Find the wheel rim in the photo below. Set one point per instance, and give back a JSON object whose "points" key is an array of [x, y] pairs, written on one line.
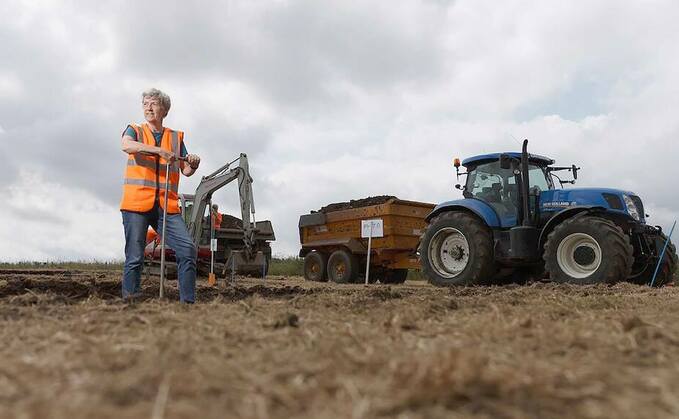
{"points": [[449, 252], [340, 271], [579, 255]]}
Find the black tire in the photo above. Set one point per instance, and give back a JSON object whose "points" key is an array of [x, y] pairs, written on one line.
{"points": [[593, 250], [479, 266], [342, 267], [667, 268], [394, 276], [315, 267]]}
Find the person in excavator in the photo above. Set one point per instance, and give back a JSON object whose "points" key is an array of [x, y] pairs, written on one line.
{"points": [[150, 146], [216, 216]]}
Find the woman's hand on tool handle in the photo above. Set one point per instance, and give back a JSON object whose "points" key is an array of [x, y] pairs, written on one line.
{"points": [[167, 155], [193, 161]]}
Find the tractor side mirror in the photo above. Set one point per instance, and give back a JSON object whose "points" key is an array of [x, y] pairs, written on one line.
{"points": [[575, 171]]}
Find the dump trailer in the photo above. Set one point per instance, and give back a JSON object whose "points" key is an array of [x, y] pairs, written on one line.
{"points": [[333, 249]]}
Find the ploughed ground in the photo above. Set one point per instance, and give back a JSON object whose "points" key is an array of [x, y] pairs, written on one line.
{"points": [[283, 348]]}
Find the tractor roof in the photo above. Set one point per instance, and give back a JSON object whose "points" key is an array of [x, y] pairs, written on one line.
{"points": [[473, 161]]}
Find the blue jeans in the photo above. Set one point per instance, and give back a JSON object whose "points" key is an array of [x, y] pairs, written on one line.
{"points": [[177, 238]]}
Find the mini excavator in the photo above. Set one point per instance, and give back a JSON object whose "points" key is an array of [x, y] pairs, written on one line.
{"points": [[243, 245]]}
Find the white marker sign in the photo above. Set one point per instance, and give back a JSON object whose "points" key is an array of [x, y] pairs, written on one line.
{"points": [[372, 228], [213, 245]]}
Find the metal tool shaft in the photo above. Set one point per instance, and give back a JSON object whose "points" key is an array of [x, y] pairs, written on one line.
{"points": [[162, 237]]}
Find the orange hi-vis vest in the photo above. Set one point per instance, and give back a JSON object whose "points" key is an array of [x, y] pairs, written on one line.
{"points": [[145, 174], [217, 220]]}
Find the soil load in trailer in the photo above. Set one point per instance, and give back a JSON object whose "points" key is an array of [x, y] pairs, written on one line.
{"points": [[334, 250]]}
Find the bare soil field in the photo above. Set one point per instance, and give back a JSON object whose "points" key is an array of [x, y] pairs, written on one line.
{"points": [[283, 348]]}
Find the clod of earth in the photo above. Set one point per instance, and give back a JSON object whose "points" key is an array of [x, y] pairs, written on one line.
{"points": [[356, 203], [285, 320]]}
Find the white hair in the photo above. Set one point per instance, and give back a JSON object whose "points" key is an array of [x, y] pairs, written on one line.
{"points": [[162, 96]]}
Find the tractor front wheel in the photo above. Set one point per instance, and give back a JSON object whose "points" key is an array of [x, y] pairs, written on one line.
{"points": [[588, 250], [457, 249]]}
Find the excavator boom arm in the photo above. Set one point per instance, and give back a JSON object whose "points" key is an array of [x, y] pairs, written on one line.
{"points": [[215, 181]]}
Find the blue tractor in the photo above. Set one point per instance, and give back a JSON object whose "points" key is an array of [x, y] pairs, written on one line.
{"points": [[515, 222]]}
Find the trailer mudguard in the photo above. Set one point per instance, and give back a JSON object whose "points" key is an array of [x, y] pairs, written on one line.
{"points": [[353, 244], [476, 206]]}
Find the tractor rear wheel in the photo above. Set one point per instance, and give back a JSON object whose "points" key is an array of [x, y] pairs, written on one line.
{"points": [[315, 264], [457, 249], [342, 267], [667, 267], [588, 250]]}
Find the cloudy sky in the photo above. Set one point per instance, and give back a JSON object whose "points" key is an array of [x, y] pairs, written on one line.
{"points": [[331, 100]]}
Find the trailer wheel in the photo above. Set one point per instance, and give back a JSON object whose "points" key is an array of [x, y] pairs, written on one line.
{"points": [[342, 267], [457, 249], [394, 276], [588, 250], [667, 267], [315, 264]]}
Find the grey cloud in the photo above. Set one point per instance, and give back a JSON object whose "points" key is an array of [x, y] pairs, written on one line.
{"points": [[216, 137], [583, 97], [77, 151], [36, 215], [289, 51]]}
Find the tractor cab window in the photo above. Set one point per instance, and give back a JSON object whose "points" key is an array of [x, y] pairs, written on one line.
{"points": [[538, 178], [498, 188], [495, 186]]}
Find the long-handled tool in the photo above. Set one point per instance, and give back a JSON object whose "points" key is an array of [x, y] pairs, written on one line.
{"points": [[212, 279], [662, 254], [162, 237]]}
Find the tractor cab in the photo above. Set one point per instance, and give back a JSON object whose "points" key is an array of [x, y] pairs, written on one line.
{"points": [[498, 186]]}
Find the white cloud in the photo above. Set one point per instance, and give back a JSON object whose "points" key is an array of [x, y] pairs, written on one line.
{"points": [[54, 222], [10, 85]]}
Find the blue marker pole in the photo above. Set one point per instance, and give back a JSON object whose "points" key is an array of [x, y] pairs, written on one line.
{"points": [[662, 254]]}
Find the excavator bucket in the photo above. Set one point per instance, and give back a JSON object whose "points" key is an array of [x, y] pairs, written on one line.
{"points": [[256, 265]]}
